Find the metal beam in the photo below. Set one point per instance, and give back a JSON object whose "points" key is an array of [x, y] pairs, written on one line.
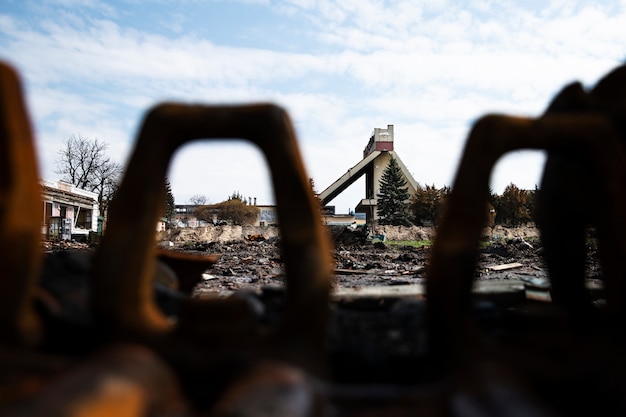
{"points": [[347, 179]]}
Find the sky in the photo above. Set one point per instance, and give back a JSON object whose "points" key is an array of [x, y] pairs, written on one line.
{"points": [[340, 69]]}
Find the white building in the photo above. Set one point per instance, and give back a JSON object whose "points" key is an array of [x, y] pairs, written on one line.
{"points": [[68, 212]]}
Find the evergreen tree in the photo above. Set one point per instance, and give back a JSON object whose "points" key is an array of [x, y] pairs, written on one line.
{"points": [[312, 184], [169, 206], [236, 195], [393, 200], [317, 200]]}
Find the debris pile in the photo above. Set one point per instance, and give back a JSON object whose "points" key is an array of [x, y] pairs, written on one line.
{"points": [[252, 265], [63, 245]]}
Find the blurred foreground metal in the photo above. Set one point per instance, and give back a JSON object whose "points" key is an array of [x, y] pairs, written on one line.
{"points": [[569, 354]]}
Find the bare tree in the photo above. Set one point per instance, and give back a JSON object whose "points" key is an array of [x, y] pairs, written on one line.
{"points": [[83, 162], [198, 200]]}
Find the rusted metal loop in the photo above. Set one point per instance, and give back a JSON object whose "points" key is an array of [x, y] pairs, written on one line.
{"points": [[454, 253], [123, 263], [20, 202]]}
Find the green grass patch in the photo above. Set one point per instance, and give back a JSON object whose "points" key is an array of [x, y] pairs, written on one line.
{"points": [[414, 243], [484, 244]]}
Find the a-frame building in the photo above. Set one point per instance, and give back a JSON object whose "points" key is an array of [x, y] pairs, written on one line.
{"points": [[376, 157]]}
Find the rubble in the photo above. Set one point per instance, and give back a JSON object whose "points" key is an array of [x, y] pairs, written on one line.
{"points": [[254, 264], [49, 246]]}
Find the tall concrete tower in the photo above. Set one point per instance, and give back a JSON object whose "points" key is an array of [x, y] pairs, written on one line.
{"points": [[376, 157]]}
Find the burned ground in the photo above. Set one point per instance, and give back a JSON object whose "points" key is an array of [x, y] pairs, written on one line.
{"points": [[376, 336], [256, 264], [372, 336]]}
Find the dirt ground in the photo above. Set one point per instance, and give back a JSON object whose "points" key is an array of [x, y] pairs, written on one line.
{"points": [[249, 258]]}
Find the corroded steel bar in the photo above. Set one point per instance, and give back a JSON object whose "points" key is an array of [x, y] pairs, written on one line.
{"points": [[20, 216], [595, 135], [123, 262]]}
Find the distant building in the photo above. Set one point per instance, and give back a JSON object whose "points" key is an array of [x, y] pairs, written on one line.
{"points": [[68, 212], [267, 216], [184, 216]]}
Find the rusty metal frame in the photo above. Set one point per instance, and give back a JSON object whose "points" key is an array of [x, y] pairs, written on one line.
{"points": [[122, 297], [20, 201], [593, 134]]}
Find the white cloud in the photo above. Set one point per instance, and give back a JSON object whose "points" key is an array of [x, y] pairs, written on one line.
{"points": [[429, 68]]}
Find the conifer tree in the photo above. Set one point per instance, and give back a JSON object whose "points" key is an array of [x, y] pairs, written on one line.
{"points": [[169, 206], [393, 200]]}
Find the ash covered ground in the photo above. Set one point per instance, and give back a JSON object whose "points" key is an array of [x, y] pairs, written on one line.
{"points": [[250, 264]]}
